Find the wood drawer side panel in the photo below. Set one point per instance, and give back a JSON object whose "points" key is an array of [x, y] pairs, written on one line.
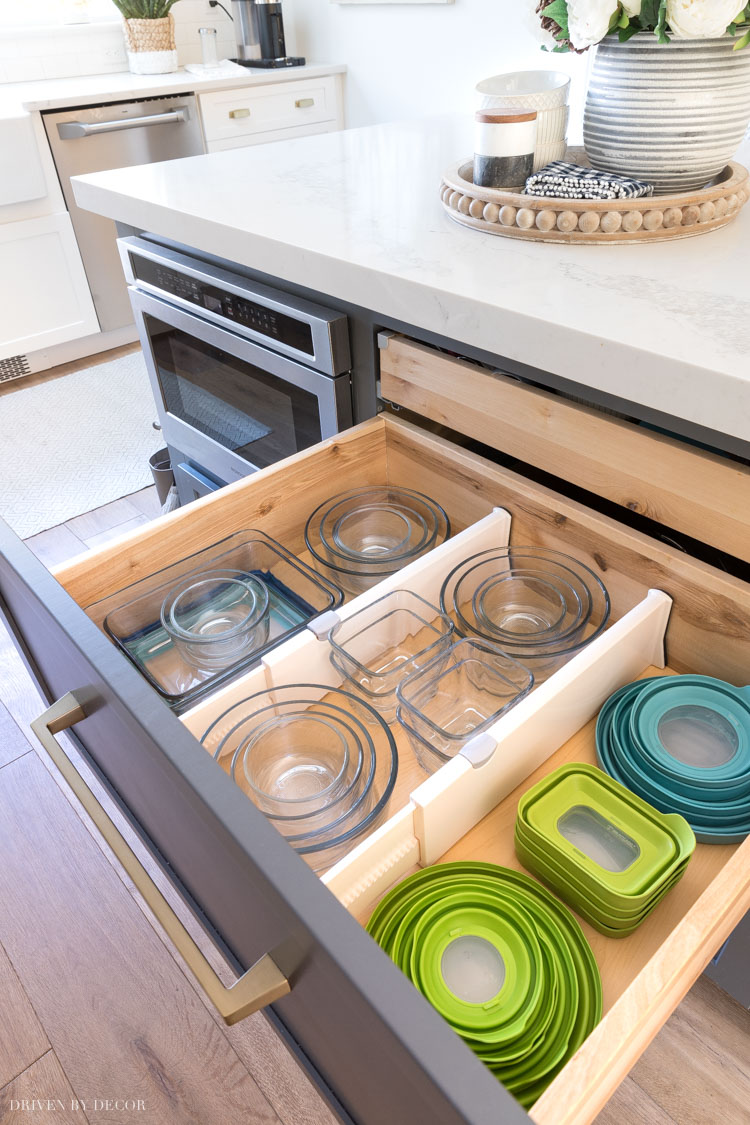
{"points": [[681, 486], [710, 621], [277, 501], [594, 1073]]}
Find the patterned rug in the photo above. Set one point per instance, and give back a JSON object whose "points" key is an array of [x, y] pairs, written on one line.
{"points": [[75, 443]]}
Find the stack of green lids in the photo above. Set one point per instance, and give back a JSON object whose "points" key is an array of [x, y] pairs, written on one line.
{"points": [[683, 743], [501, 960], [610, 855]]}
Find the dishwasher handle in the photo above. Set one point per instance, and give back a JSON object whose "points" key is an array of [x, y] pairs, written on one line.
{"points": [[69, 130]]}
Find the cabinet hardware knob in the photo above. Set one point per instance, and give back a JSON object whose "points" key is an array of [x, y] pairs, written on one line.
{"points": [[155, 426], [303, 103], [243, 112], [262, 984]]}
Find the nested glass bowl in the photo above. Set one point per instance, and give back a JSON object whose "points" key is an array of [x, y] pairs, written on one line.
{"points": [[319, 762], [132, 617], [377, 647], [539, 605], [360, 537], [458, 695], [216, 616]]}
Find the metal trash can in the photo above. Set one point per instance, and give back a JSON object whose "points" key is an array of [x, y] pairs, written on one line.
{"points": [[161, 471]]}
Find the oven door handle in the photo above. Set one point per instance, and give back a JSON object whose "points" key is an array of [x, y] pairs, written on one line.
{"points": [[70, 130], [262, 984]]}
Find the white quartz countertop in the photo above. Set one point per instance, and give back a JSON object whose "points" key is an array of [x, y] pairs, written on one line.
{"points": [[357, 215], [56, 93]]}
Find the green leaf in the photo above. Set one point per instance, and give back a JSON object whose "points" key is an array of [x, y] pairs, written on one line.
{"points": [[558, 11], [628, 32], [743, 42], [661, 23]]}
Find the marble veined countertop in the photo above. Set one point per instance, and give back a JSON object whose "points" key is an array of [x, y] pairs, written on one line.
{"points": [[357, 215]]}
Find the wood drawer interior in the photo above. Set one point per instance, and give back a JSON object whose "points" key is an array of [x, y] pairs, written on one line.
{"points": [[646, 974]]}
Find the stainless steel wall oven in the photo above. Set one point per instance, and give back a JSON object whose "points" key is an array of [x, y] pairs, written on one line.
{"points": [[243, 375]]}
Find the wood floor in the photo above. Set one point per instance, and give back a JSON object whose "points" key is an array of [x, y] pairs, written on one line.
{"points": [[99, 1021]]}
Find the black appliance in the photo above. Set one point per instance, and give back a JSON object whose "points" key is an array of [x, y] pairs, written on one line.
{"points": [[259, 31]]}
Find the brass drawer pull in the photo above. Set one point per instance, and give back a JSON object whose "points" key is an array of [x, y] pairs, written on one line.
{"points": [[262, 984], [303, 103], [244, 112]]}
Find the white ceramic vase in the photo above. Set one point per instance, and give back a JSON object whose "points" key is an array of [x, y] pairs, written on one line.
{"points": [[671, 114]]}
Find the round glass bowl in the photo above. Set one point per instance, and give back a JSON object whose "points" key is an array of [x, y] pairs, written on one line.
{"points": [[683, 744], [538, 605], [501, 960], [319, 762], [457, 695], [215, 617], [360, 537]]}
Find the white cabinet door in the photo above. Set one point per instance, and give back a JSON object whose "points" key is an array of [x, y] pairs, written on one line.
{"points": [[44, 295]]}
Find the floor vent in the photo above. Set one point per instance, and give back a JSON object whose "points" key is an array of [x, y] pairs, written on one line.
{"points": [[14, 367]]}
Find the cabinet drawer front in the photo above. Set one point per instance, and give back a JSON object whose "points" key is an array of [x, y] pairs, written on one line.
{"points": [[372, 1040], [386, 1054], [679, 485], [229, 114]]}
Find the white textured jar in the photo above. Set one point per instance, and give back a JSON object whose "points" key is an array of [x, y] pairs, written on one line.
{"points": [[671, 114]]}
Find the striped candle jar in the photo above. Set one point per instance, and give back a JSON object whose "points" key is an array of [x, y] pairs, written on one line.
{"points": [[670, 114]]}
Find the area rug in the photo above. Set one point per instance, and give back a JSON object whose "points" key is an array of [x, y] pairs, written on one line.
{"points": [[69, 445]]}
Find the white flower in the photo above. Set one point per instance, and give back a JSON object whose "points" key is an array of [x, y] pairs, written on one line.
{"points": [[588, 21], [701, 19], [632, 8]]}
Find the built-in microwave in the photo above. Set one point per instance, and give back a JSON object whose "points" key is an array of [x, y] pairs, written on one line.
{"points": [[243, 374]]}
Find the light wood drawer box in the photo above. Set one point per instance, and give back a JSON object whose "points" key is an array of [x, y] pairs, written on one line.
{"points": [[360, 1026], [683, 486], [230, 115]]}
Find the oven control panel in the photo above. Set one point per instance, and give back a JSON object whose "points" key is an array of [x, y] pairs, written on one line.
{"points": [[275, 326]]}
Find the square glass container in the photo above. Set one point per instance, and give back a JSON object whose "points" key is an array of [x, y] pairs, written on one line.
{"points": [[132, 616], [461, 693], [377, 647]]}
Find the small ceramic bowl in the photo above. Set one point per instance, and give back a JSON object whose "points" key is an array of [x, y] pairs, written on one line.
{"points": [[528, 89]]}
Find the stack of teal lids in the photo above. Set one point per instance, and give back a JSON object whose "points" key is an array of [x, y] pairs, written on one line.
{"points": [[501, 960], [683, 744], [607, 853]]}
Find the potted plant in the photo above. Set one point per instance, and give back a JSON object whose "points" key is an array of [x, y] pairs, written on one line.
{"points": [[149, 35], [669, 89]]}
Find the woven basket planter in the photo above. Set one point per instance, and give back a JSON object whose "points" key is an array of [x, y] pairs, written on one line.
{"points": [[150, 45]]}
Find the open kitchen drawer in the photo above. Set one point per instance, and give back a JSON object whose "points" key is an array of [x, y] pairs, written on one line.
{"points": [[381, 1049]]}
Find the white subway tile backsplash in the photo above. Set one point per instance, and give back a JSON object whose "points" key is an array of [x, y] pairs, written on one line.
{"points": [[62, 52]]}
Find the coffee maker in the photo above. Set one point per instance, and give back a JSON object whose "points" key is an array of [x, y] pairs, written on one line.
{"points": [[259, 31]]}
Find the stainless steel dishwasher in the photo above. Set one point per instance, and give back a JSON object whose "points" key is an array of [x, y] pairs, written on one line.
{"points": [[118, 135]]}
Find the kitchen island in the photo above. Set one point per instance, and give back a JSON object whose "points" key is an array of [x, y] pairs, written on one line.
{"points": [[660, 331]]}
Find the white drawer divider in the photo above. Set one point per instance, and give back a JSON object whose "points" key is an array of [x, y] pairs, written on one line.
{"points": [[304, 658], [455, 798], [379, 861], [199, 718]]}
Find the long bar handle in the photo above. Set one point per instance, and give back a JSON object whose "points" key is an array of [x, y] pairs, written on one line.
{"points": [[260, 985], [69, 130]]}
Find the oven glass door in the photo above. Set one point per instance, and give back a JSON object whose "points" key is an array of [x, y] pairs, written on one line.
{"points": [[243, 408]]}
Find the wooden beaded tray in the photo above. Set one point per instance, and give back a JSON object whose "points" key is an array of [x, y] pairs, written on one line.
{"points": [[544, 219]]}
